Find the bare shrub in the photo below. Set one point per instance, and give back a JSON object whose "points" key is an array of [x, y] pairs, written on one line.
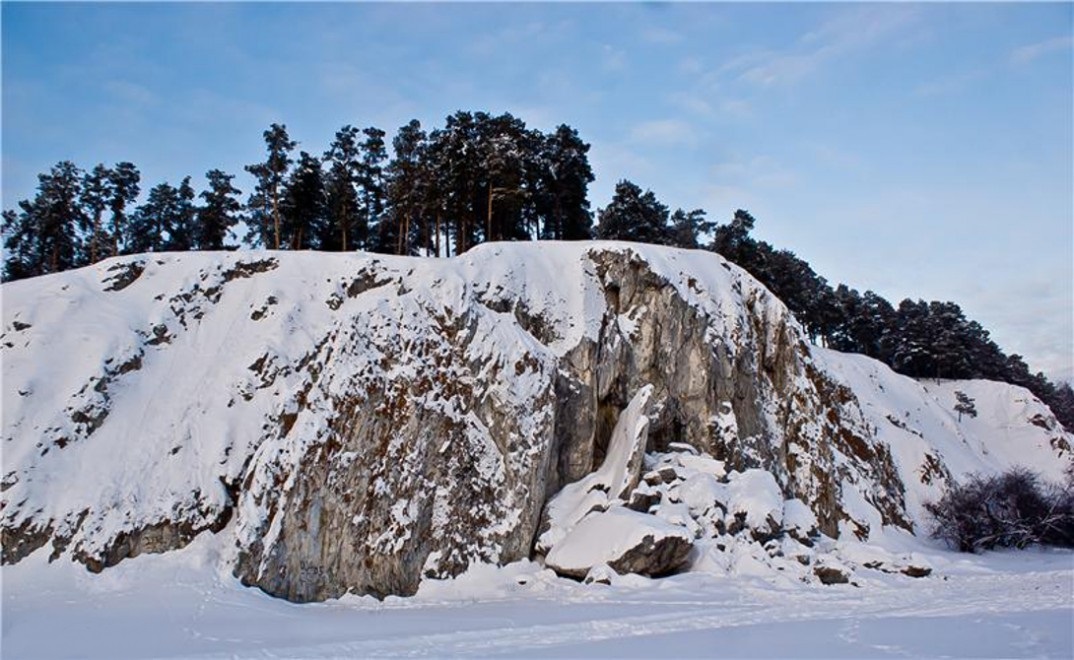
{"points": [[1010, 510]]}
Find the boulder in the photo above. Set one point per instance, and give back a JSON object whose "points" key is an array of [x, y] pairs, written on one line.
{"points": [[625, 540], [831, 575]]}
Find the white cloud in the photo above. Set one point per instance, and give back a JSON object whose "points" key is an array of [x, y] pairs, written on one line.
{"points": [[664, 132], [847, 32], [660, 35], [1028, 53], [736, 108], [691, 66], [826, 154], [496, 43], [700, 105], [613, 59], [129, 92], [691, 103], [782, 69], [754, 172], [1031, 315], [950, 84]]}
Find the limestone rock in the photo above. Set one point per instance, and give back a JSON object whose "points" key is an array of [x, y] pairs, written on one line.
{"points": [[612, 483], [625, 540], [831, 575], [358, 422]]}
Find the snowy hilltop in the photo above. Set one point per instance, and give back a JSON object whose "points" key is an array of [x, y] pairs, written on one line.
{"points": [[357, 423]]}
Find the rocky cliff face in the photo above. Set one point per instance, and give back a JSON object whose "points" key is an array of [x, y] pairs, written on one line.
{"points": [[359, 422]]}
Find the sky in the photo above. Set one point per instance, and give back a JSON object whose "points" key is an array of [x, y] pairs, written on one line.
{"points": [[917, 150]]}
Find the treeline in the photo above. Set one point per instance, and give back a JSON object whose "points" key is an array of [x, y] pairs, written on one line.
{"points": [[478, 178]]}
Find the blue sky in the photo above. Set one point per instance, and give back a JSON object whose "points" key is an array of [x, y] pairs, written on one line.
{"points": [[921, 151]]}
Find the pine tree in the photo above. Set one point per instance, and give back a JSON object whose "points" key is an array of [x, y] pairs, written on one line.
{"points": [[21, 246], [634, 216], [914, 351], [406, 191], [218, 213], [96, 193], [878, 322], [503, 149], [344, 174], [436, 189], [59, 217], [304, 206], [964, 405], [374, 155], [862, 322], [568, 217], [264, 204], [182, 226], [734, 243], [687, 227], [462, 197], [151, 222], [124, 182], [1062, 404]]}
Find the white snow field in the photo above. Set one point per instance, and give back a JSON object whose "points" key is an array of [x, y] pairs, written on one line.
{"points": [[186, 604]]}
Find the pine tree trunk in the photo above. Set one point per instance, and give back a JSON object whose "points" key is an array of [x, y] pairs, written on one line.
{"points": [[276, 218], [557, 214], [343, 227], [488, 219], [96, 236], [115, 237], [437, 235], [426, 237]]}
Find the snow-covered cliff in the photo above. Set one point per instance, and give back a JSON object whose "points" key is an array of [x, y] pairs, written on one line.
{"points": [[359, 422]]}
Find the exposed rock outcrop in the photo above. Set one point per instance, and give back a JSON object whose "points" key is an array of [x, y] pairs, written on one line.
{"points": [[360, 422]]}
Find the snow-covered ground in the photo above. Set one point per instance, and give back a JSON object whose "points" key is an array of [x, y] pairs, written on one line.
{"points": [[186, 604]]}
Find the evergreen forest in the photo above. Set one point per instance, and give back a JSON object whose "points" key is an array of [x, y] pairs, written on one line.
{"points": [[478, 178]]}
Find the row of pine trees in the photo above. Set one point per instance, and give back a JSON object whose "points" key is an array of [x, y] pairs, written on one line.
{"points": [[478, 178]]}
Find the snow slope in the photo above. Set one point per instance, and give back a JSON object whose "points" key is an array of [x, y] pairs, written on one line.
{"points": [[929, 441]]}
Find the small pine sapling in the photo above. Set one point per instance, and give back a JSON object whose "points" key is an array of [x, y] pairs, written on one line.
{"points": [[964, 405]]}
